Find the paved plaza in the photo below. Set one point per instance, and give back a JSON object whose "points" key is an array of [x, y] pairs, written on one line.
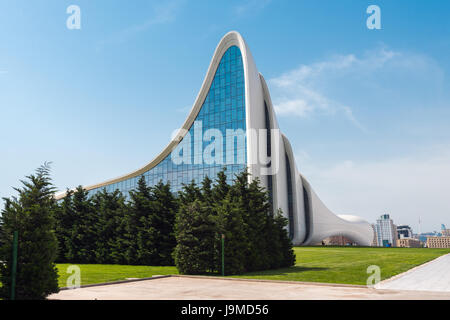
{"points": [[432, 276], [199, 288]]}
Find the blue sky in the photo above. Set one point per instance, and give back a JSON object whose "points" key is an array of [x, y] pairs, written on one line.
{"points": [[367, 111]]}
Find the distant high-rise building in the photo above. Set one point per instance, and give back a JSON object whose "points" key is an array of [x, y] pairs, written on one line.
{"points": [[386, 231], [404, 232]]}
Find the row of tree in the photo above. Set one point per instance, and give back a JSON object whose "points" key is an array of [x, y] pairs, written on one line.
{"points": [[255, 238], [106, 228], [151, 227]]}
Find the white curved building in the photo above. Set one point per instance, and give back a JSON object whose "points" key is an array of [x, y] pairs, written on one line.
{"points": [[232, 124]]}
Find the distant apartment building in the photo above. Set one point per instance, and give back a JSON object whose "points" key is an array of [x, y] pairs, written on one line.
{"points": [[438, 242], [408, 243], [445, 232], [404, 232], [386, 231]]}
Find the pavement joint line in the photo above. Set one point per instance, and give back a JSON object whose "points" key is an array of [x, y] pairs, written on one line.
{"points": [[408, 271]]}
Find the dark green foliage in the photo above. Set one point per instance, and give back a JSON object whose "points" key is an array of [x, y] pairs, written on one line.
{"points": [[65, 216], [111, 242], [139, 250], [195, 234], [83, 234], [105, 228], [231, 224], [155, 228], [288, 254], [161, 223], [32, 215], [254, 238]]}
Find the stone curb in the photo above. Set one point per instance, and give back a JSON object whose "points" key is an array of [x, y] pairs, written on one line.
{"points": [[115, 282]]}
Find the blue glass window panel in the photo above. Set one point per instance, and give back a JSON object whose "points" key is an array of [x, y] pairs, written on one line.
{"points": [[223, 108]]}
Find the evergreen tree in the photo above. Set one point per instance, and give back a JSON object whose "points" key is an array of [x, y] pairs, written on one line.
{"points": [[64, 220], [288, 255], [32, 215], [221, 188], [190, 193], [110, 245], [195, 234], [83, 234], [253, 204], [161, 225], [230, 223], [139, 248]]}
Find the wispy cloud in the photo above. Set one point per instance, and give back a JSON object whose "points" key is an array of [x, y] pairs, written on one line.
{"points": [[3, 72], [165, 12], [302, 91], [250, 6]]}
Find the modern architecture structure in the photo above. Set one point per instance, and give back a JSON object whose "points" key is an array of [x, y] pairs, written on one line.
{"points": [[232, 124], [404, 232], [386, 231]]}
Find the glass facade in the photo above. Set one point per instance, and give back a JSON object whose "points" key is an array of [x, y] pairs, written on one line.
{"points": [[223, 109]]}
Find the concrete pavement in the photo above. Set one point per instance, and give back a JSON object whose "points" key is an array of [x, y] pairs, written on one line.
{"points": [[432, 276], [209, 288]]}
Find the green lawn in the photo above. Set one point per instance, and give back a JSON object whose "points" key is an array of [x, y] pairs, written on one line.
{"points": [[99, 273], [348, 264], [314, 264]]}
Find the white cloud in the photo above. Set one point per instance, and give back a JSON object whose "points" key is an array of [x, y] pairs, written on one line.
{"points": [[305, 91], [407, 188]]}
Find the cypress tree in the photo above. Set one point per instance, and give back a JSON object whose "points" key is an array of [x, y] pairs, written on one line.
{"points": [[221, 188], [161, 225], [286, 248], [32, 215], [195, 232], [110, 244], [230, 223], [64, 220], [83, 234], [140, 206]]}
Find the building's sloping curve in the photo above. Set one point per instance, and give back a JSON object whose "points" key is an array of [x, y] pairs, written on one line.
{"points": [[310, 221]]}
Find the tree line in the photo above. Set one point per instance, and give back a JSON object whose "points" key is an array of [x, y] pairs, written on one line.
{"points": [[153, 226]]}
